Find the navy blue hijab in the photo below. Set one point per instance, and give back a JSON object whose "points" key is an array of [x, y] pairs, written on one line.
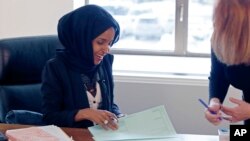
{"points": [[77, 30]]}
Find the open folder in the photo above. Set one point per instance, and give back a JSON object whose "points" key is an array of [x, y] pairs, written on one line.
{"points": [[152, 123]]}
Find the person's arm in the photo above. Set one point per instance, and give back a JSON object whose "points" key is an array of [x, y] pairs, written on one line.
{"points": [[52, 91], [218, 84], [109, 68]]}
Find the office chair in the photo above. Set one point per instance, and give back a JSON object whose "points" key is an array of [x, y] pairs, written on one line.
{"points": [[21, 63]]}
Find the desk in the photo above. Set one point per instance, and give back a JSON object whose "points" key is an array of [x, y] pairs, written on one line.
{"points": [[79, 134]]}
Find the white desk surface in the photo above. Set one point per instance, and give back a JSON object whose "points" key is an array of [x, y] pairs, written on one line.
{"points": [[191, 137], [187, 137]]}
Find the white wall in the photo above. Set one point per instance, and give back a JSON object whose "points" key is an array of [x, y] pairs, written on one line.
{"points": [[180, 97], [31, 17]]}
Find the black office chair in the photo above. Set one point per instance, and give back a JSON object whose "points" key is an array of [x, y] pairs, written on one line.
{"points": [[21, 62]]}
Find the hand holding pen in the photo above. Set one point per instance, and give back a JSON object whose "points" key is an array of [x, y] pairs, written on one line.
{"points": [[212, 113]]}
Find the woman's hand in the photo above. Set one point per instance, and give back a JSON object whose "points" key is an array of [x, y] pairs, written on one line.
{"points": [[103, 118], [238, 113], [213, 114]]}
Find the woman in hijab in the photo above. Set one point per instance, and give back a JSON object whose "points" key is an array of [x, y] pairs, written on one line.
{"points": [[78, 83]]}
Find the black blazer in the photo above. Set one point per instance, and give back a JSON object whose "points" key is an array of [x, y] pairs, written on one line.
{"points": [[64, 93]]}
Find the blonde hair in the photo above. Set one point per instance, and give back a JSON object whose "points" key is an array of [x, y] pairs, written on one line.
{"points": [[231, 37]]}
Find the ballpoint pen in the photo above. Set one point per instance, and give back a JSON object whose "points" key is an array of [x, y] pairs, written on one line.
{"points": [[205, 105]]}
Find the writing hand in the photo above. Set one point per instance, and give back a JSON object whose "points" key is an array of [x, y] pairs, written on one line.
{"points": [[212, 112]]}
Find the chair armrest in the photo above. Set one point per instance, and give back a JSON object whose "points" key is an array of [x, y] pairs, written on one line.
{"points": [[20, 97]]}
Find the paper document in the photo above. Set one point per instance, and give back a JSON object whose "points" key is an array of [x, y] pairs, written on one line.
{"points": [[38, 133], [152, 123]]}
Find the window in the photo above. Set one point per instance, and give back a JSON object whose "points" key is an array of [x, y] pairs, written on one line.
{"points": [[146, 25], [170, 28], [200, 26]]}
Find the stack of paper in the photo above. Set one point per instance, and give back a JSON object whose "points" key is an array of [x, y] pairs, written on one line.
{"points": [[39, 133], [151, 124]]}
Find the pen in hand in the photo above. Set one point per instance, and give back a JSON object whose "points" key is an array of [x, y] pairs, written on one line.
{"points": [[212, 112]]}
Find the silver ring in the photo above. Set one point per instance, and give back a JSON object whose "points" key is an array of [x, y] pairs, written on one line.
{"points": [[106, 122]]}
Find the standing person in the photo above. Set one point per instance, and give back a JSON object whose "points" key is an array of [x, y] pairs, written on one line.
{"points": [[230, 60], [78, 84]]}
